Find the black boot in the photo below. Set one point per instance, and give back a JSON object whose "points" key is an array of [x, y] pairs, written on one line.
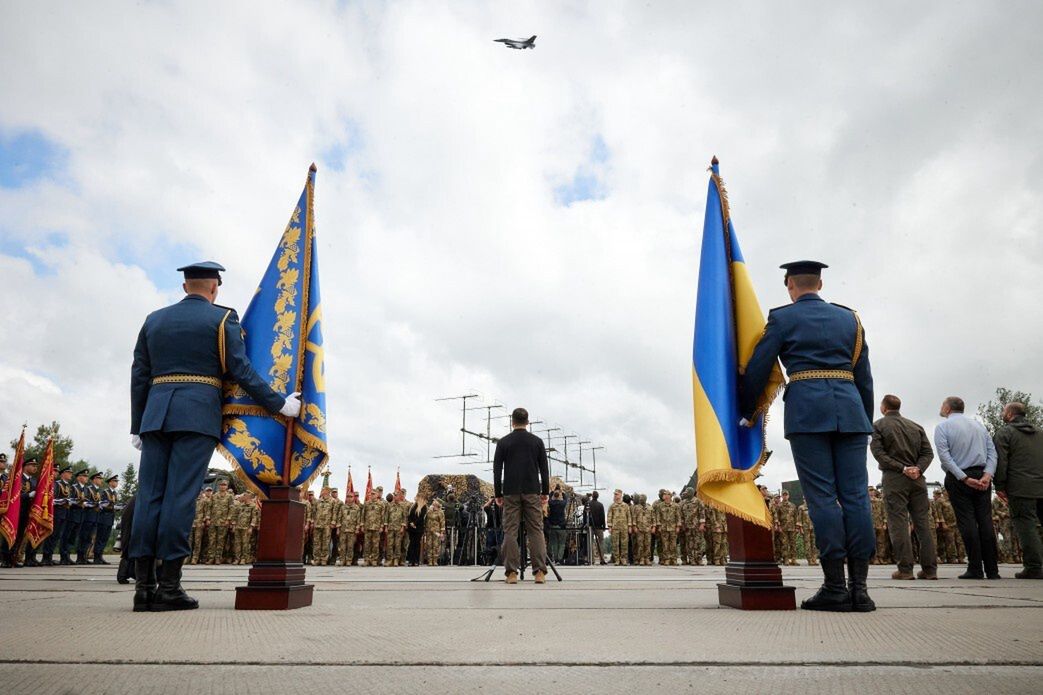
{"points": [[858, 571], [171, 597], [125, 572], [145, 584], [833, 594]]}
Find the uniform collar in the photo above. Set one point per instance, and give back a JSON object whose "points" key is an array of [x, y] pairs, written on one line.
{"points": [[196, 297], [810, 296]]}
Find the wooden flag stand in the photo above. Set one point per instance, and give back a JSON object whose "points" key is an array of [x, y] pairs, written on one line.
{"points": [[753, 580], [276, 581]]}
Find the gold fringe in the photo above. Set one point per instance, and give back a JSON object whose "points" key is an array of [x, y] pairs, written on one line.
{"points": [[244, 409], [728, 509], [239, 472]]}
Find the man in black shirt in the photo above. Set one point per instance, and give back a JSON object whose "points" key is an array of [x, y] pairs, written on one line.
{"points": [[521, 481], [596, 519]]}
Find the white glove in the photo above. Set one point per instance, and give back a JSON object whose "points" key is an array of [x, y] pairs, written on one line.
{"points": [[745, 423], [135, 441], [292, 406]]}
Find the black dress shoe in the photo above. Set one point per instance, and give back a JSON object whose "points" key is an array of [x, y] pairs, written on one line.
{"points": [[1029, 574], [994, 576], [65, 561], [47, 562], [971, 575]]}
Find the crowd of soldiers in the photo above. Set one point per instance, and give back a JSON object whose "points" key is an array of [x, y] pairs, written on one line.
{"points": [[673, 530], [84, 515], [947, 536], [335, 532]]}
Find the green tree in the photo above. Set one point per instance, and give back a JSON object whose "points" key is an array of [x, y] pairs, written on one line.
{"points": [[991, 413], [128, 483], [38, 445]]}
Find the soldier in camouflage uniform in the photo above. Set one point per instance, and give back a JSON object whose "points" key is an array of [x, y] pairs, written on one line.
{"points": [[218, 522], [1003, 530], [879, 514], [350, 522], [397, 514], [619, 524], [776, 528], [693, 518], [452, 521], [323, 522], [641, 518], [404, 546], [945, 525], [719, 534], [434, 532], [199, 524], [309, 525], [373, 514], [788, 526], [334, 527], [666, 520], [807, 530], [245, 521]]}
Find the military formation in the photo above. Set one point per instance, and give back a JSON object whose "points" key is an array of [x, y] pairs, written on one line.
{"points": [[673, 530], [85, 509]]}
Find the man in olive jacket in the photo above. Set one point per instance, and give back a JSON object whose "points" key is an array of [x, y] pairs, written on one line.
{"points": [[903, 452], [1019, 480]]}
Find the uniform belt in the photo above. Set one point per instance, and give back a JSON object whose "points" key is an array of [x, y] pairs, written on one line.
{"points": [[187, 379], [822, 374]]}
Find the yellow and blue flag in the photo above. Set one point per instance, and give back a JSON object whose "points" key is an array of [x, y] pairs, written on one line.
{"points": [[282, 328], [728, 324]]}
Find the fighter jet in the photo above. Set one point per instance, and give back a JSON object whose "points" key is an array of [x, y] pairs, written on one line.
{"points": [[519, 44]]}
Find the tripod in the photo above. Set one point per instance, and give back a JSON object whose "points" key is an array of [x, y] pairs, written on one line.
{"points": [[523, 548]]}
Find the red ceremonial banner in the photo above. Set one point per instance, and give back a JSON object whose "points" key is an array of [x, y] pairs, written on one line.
{"points": [[41, 515], [11, 498]]}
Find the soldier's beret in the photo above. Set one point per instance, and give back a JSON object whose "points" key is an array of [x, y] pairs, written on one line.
{"points": [[205, 270], [803, 268], [83, 472], [115, 477]]}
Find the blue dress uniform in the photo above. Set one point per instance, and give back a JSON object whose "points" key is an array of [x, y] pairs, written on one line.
{"points": [[106, 520], [828, 415], [21, 544], [183, 353], [89, 525], [77, 498], [62, 493]]}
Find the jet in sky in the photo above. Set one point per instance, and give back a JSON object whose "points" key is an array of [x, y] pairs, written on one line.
{"points": [[519, 44]]}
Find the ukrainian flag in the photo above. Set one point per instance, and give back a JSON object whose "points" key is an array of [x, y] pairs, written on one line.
{"points": [[283, 333], [728, 324]]}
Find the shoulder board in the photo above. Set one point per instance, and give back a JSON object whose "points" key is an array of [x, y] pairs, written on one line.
{"points": [[780, 308], [223, 309], [842, 306]]}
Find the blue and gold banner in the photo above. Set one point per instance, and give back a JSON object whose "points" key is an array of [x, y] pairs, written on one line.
{"points": [[728, 324], [283, 333]]}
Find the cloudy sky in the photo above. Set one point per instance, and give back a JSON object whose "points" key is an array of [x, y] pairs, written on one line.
{"points": [[523, 225]]}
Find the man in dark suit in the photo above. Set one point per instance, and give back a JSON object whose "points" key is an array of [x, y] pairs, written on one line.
{"points": [[521, 481], [183, 353], [596, 519], [828, 417]]}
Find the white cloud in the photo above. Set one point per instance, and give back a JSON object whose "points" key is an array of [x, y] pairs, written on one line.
{"points": [[901, 147]]}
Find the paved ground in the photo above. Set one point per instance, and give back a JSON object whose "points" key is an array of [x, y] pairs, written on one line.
{"points": [[604, 629]]}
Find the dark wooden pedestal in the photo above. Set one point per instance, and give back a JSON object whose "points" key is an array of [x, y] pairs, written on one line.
{"points": [[276, 581], [753, 581]]}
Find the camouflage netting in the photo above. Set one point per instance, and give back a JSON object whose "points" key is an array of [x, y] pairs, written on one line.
{"points": [[435, 486]]}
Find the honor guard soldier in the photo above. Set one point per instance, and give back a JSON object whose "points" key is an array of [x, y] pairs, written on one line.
{"points": [[23, 551], [106, 519], [183, 353], [828, 418], [89, 525], [77, 500], [62, 494]]}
